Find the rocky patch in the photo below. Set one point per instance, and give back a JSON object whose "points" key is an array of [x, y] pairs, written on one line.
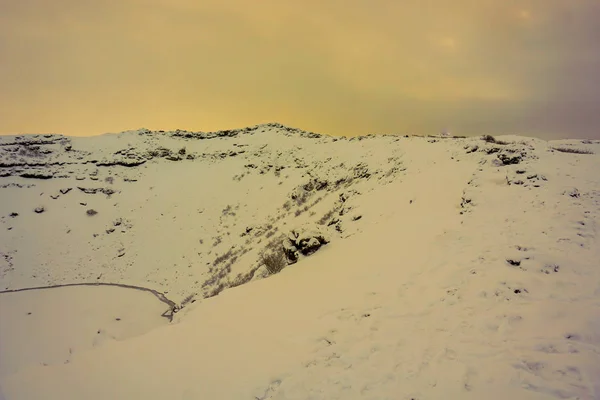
{"points": [[106, 191], [124, 162], [36, 175], [304, 241], [509, 159]]}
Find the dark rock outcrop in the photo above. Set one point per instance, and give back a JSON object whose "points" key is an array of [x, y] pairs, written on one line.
{"points": [[36, 175], [106, 191], [508, 159], [125, 162], [303, 241], [290, 251]]}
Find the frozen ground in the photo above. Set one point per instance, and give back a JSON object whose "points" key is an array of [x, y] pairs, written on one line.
{"points": [[439, 268]]}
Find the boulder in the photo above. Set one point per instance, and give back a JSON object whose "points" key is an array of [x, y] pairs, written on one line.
{"points": [[290, 251], [309, 246], [307, 240]]}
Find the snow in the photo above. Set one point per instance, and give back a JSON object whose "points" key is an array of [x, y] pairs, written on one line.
{"points": [[449, 273], [52, 324]]}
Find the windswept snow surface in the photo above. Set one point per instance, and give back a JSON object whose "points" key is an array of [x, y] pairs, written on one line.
{"points": [[454, 268]]}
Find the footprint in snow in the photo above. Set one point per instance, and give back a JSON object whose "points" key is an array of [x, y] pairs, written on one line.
{"points": [[270, 390]]}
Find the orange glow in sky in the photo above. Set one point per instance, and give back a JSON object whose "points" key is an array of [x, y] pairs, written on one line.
{"points": [[85, 67]]}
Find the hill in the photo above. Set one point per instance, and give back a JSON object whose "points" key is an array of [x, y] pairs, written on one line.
{"points": [[146, 265]]}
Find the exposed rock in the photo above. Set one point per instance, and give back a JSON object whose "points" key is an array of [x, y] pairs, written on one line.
{"points": [[159, 152], [491, 150], [230, 153], [206, 135], [466, 201], [307, 240], [106, 191], [509, 159], [361, 170], [344, 211], [39, 210], [247, 231], [36, 175], [335, 221], [309, 246], [124, 162], [29, 141], [290, 251], [18, 185], [10, 164], [572, 192], [65, 190], [315, 184]]}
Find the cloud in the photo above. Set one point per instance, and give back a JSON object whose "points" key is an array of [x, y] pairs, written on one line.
{"points": [[82, 66]]}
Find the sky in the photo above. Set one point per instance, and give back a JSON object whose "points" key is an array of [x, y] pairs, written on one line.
{"points": [[88, 67]]}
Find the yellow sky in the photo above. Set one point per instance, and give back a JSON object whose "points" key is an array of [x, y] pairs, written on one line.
{"points": [[84, 67]]}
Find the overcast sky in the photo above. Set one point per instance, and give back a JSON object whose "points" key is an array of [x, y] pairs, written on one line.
{"points": [[85, 67]]}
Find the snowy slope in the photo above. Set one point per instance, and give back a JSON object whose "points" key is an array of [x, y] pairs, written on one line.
{"points": [[455, 268]]}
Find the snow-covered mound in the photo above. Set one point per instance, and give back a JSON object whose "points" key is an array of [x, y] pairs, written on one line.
{"points": [[396, 267]]}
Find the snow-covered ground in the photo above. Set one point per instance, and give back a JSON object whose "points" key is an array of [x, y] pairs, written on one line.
{"points": [[427, 267]]}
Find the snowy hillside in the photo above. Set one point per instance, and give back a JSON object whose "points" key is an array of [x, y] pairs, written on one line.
{"points": [[413, 267]]}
